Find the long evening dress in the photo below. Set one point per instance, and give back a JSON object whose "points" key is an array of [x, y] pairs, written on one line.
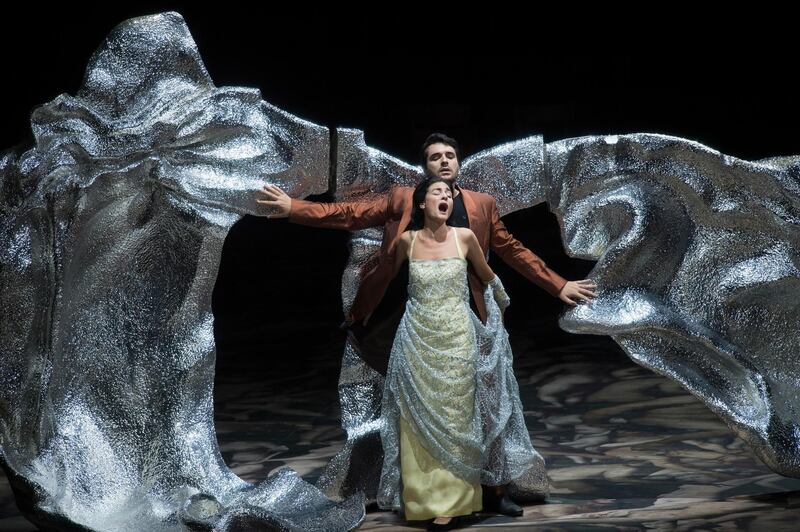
{"points": [[451, 414]]}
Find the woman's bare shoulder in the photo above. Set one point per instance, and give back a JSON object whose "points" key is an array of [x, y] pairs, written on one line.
{"points": [[465, 234]]}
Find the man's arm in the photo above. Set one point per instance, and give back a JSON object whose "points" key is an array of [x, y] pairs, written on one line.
{"points": [[350, 216], [521, 258]]}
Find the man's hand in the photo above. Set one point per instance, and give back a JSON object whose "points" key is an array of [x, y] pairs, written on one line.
{"points": [[277, 198], [575, 292]]}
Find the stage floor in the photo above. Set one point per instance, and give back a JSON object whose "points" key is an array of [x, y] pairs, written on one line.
{"points": [[626, 449]]}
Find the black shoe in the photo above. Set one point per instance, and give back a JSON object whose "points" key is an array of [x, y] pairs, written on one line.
{"points": [[501, 505], [450, 525]]}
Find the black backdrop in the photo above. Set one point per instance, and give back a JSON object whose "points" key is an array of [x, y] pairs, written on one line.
{"points": [[485, 78]]}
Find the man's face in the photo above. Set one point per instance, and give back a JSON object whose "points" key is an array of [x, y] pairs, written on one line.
{"points": [[441, 161]]}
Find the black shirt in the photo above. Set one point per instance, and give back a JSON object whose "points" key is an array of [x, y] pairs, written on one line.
{"points": [[458, 218]]}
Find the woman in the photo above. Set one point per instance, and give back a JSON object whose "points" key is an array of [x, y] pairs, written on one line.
{"points": [[451, 413]]}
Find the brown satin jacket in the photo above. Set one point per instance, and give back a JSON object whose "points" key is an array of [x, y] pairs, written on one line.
{"points": [[393, 212]]}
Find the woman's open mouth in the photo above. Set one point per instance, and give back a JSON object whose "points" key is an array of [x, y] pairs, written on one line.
{"points": [[443, 207]]}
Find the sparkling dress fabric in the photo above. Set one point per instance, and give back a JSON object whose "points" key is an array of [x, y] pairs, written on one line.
{"points": [[451, 380]]}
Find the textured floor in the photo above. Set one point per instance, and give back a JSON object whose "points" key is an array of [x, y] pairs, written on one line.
{"points": [[626, 449]]}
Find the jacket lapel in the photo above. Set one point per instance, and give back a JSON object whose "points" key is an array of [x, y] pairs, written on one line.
{"points": [[476, 220]]}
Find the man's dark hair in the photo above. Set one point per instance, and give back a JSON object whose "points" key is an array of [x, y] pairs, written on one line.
{"points": [[435, 138]]}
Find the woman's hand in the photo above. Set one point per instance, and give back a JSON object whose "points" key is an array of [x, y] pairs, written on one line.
{"points": [[499, 293]]}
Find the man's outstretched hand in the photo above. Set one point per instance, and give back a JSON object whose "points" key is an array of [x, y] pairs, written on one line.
{"points": [[273, 196], [575, 292]]}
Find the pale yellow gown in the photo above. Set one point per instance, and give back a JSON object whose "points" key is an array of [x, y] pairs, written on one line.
{"points": [[451, 415], [442, 321]]}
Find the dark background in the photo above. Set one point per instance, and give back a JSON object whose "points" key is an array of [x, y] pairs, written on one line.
{"points": [[727, 80]]}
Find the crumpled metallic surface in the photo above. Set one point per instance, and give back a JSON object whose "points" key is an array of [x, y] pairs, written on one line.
{"points": [[357, 466], [112, 228], [111, 234], [362, 173], [697, 272], [512, 173], [255, 508]]}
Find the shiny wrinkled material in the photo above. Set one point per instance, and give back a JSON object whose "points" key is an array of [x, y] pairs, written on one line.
{"points": [[697, 274], [111, 236], [111, 231], [697, 270]]}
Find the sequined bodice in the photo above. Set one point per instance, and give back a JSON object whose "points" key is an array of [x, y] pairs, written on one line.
{"points": [[438, 287], [438, 281]]}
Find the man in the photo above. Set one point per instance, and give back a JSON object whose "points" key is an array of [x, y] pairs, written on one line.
{"points": [[440, 157], [478, 211]]}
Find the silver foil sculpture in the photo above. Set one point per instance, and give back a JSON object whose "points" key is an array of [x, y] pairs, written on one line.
{"points": [[110, 238], [110, 241], [697, 272]]}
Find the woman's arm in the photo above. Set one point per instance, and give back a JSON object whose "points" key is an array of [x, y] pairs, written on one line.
{"points": [[401, 251], [475, 255]]}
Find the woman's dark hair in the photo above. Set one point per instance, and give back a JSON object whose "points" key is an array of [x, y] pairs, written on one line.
{"points": [[435, 138], [417, 220]]}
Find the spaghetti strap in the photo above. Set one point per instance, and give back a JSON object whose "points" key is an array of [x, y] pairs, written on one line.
{"points": [[458, 246], [411, 247]]}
